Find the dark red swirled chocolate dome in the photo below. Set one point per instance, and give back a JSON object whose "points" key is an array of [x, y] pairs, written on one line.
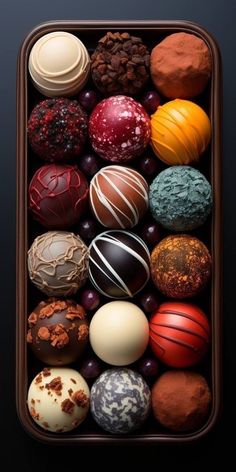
{"points": [[58, 195]]}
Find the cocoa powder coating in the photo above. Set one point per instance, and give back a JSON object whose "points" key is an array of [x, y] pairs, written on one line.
{"points": [[181, 400], [181, 66]]}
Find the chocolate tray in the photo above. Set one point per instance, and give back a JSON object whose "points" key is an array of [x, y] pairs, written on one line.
{"points": [[27, 296]]}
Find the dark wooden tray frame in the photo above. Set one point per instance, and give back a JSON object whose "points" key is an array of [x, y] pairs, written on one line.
{"points": [[163, 27]]}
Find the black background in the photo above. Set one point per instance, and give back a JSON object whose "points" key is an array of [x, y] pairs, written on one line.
{"points": [[17, 18]]}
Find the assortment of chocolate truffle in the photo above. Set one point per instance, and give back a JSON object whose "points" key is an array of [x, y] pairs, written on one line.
{"points": [[117, 196]]}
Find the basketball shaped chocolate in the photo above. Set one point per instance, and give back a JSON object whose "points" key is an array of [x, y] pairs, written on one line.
{"points": [[180, 266], [179, 334], [118, 197], [181, 132], [58, 195], [118, 264]]}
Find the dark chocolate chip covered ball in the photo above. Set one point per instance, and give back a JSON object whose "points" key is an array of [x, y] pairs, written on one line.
{"points": [[58, 195], [58, 331], [57, 129], [120, 64], [180, 266]]}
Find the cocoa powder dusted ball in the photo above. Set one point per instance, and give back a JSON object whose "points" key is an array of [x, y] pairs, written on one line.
{"points": [[119, 129], [58, 195], [58, 331], [179, 334], [181, 65], [180, 266], [57, 129], [120, 64], [118, 197], [181, 400]]}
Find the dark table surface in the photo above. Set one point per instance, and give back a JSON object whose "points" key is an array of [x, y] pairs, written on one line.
{"points": [[17, 18]]}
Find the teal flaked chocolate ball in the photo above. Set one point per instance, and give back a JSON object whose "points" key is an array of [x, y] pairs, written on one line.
{"points": [[180, 198]]}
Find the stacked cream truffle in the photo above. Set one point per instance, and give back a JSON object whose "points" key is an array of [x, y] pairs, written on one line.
{"points": [[59, 64]]}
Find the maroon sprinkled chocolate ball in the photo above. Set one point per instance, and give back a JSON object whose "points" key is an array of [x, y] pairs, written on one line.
{"points": [[119, 129], [57, 129], [58, 195]]}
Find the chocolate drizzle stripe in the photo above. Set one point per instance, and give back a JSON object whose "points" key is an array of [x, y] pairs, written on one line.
{"points": [[184, 315], [183, 330], [176, 341]]}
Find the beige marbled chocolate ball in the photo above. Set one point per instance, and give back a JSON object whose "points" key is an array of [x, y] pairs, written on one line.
{"points": [[58, 263]]}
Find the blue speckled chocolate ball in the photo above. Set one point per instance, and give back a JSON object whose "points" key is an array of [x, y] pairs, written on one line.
{"points": [[180, 198], [120, 400]]}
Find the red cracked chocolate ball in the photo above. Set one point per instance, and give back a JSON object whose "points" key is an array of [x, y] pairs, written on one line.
{"points": [[57, 129], [119, 129], [58, 195], [179, 334]]}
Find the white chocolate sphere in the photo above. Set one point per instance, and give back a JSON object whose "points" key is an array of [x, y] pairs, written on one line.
{"points": [[119, 333]]}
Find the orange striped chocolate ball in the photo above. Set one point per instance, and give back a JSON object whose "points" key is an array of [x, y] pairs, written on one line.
{"points": [[179, 334]]}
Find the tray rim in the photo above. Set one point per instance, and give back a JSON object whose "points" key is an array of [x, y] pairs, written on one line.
{"points": [[21, 232]]}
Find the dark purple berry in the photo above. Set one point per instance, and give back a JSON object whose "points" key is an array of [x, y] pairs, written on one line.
{"points": [[88, 228], [148, 165], [90, 299], [148, 367], [90, 368], [89, 164], [151, 101], [149, 301], [150, 233], [88, 99]]}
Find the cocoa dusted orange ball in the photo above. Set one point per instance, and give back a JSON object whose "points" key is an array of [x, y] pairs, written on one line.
{"points": [[180, 266], [179, 334], [181, 65], [180, 132]]}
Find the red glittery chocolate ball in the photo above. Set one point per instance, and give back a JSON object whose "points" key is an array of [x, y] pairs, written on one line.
{"points": [[58, 195], [119, 129], [57, 129], [179, 334]]}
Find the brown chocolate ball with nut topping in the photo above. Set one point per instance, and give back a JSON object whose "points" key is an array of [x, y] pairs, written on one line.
{"points": [[180, 266], [120, 64], [58, 331]]}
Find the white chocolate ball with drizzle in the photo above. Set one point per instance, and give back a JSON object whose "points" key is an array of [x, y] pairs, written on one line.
{"points": [[59, 64]]}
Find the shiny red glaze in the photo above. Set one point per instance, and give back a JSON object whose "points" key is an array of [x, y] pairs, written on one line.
{"points": [[179, 334], [119, 128], [58, 195]]}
